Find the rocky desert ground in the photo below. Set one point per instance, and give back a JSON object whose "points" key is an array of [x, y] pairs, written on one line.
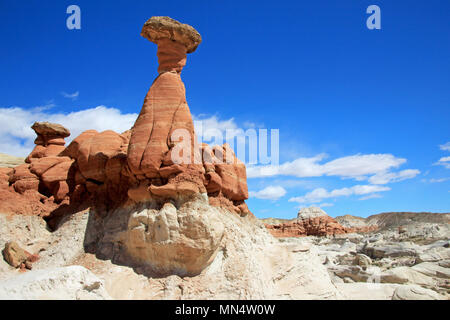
{"points": [[397, 255], [117, 216]]}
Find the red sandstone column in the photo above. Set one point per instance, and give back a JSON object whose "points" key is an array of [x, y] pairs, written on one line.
{"points": [[165, 108]]}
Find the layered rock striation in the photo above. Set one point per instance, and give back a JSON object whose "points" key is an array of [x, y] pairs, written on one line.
{"points": [[49, 141]]}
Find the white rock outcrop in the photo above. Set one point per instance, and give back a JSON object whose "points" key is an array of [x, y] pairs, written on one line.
{"points": [[311, 212], [415, 292], [65, 283], [171, 240]]}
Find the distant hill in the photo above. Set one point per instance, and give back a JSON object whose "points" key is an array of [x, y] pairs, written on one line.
{"points": [[384, 221], [394, 219]]}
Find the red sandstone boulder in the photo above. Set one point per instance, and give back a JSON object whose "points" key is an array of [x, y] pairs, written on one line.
{"points": [[73, 148], [94, 153], [18, 257], [22, 179], [58, 172], [27, 184], [14, 254], [21, 172], [224, 172], [29, 202], [232, 173], [40, 166], [53, 172], [311, 221], [38, 152], [4, 176], [53, 150]]}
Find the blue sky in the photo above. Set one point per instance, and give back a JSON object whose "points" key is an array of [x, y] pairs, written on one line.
{"points": [[346, 99]]}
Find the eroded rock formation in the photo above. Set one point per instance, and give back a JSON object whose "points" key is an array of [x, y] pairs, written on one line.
{"points": [[109, 169], [312, 221], [162, 182], [49, 141], [156, 228], [40, 185]]}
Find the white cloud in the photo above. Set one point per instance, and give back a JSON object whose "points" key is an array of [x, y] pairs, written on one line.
{"points": [[72, 96], [371, 196], [325, 204], [444, 161], [269, 193], [17, 137], [389, 177], [438, 180], [374, 167], [301, 167], [317, 195], [445, 146], [209, 128], [356, 166], [205, 126]]}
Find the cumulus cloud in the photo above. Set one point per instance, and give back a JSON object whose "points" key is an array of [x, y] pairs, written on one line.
{"points": [[17, 137], [269, 193], [389, 177], [355, 166], [375, 167], [217, 131], [437, 180], [444, 161], [73, 96], [317, 195], [445, 146], [371, 196], [301, 167]]}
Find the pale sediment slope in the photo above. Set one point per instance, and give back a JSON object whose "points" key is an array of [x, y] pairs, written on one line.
{"points": [[7, 161], [249, 264]]}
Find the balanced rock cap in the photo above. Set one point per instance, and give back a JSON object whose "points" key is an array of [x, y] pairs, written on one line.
{"points": [[164, 27], [50, 129]]}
